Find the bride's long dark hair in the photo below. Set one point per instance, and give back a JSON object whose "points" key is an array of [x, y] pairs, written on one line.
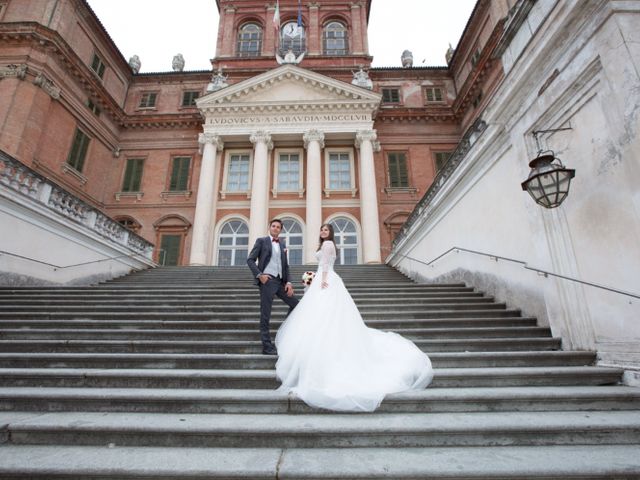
{"points": [[330, 237]]}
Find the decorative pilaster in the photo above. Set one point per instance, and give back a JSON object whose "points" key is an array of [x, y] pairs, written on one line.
{"points": [[313, 143], [369, 218], [206, 199], [259, 185]]}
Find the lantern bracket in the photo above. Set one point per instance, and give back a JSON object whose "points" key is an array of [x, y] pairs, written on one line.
{"points": [[535, 134]]}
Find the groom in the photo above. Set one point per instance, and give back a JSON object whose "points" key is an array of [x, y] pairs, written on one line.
{"points": [[272, 276]]}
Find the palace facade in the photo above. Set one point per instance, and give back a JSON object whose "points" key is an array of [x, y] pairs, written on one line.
{"points": [[290, 122]]}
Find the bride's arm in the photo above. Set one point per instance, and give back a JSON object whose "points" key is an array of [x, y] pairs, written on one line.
{"points": [[327, 257]]}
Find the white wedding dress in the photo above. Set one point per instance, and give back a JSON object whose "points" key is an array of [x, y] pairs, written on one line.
{"points": [[330, 359]]}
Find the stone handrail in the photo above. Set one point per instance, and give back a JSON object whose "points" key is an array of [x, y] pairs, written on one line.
{"points": [[20, 178]]}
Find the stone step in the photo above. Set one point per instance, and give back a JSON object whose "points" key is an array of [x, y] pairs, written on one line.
{"points": [[253, 324], [266, 379], [224, 287], [233, 307], [405, 430], [247, 314], [216, 296], [258, 361], [431, 400], [253, 347], [229, 301], [577, 462], [216, 335]]}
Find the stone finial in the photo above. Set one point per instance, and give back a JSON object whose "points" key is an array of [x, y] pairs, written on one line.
{"points": [[218, 81], [361, 79], [178, 63], [407, 59], [134, 63], [449, 55]]}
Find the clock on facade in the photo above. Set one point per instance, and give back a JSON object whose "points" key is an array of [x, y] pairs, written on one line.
{"points": [[292, 30]]}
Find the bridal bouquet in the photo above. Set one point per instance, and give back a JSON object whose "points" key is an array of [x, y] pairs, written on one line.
{"points": [[307, 278]]}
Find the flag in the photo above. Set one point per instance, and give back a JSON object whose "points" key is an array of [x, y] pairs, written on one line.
{"points": [[276, 16], [299, 15]]}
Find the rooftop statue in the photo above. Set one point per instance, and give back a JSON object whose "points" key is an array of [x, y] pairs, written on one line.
{"points": [[218, 81], [361, 79], [178, 63], [134, 63], [289, 57]]}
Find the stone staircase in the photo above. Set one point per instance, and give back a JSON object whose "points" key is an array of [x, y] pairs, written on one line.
{"points": [[159, 375]]}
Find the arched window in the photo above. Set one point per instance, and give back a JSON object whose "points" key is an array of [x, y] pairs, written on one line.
{"points": [[292, 233], [346, 238], [334, 39], [233, 243], [130, 223], [249, 40]]}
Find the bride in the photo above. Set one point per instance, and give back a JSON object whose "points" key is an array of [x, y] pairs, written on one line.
{"points": [[330, 359]]}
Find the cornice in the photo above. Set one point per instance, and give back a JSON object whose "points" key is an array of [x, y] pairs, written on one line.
{"points": [[474, 79], [412, 115]]}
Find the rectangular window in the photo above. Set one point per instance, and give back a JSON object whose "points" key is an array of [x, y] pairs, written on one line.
{"points": [[189, 98], [93, 107], [97, 65], [339, 171], [169, 253], [180, 174], [238, 175], [148, 100], [441, 159], [390, 95], [78, 151], [289, 172], [398, 174], [133, 175], [433, 94]]}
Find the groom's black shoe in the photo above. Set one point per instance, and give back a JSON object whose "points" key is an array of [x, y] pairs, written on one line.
{"points": [[269, 350]]}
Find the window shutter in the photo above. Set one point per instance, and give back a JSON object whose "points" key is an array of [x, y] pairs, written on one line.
{"points": [[398, 174], [137, 174]]}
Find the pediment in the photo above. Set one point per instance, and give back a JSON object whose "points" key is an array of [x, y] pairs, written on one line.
{"points": [[287, 87]]}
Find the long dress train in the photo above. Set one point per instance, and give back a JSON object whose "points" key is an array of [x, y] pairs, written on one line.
{"points": [[330, 359]]}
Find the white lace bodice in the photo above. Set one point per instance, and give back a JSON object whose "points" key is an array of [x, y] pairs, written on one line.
{"points": [[326, 256]]}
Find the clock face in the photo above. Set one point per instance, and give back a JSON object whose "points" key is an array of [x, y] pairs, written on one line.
{"points": [[292, 30]]}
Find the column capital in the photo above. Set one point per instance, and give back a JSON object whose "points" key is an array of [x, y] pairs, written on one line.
{"points": [[261, 136], [365, 136], [213, 139], [313, 136]]}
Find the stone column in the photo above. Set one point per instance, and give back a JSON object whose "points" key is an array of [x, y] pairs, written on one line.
{"points": [[314, 143], [366, 142], [206, 199], [259, 185]]}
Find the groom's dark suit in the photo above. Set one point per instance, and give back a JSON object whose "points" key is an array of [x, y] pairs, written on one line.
{"points": [[261, 252]]}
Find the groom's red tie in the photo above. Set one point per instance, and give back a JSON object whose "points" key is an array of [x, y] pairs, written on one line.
{"points": [[277, 240]]}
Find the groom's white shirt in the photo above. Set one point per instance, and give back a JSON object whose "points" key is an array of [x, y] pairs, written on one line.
{"points": [[274, 267]]}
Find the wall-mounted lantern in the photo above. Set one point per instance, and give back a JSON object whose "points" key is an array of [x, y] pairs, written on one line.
{"points": [[549, 181]]}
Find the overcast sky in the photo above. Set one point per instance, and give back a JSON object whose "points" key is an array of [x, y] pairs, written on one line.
{"points": [[156, 30]]}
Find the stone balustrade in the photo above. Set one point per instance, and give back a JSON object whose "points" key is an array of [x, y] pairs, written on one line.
{"points": [[20, 178]]}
